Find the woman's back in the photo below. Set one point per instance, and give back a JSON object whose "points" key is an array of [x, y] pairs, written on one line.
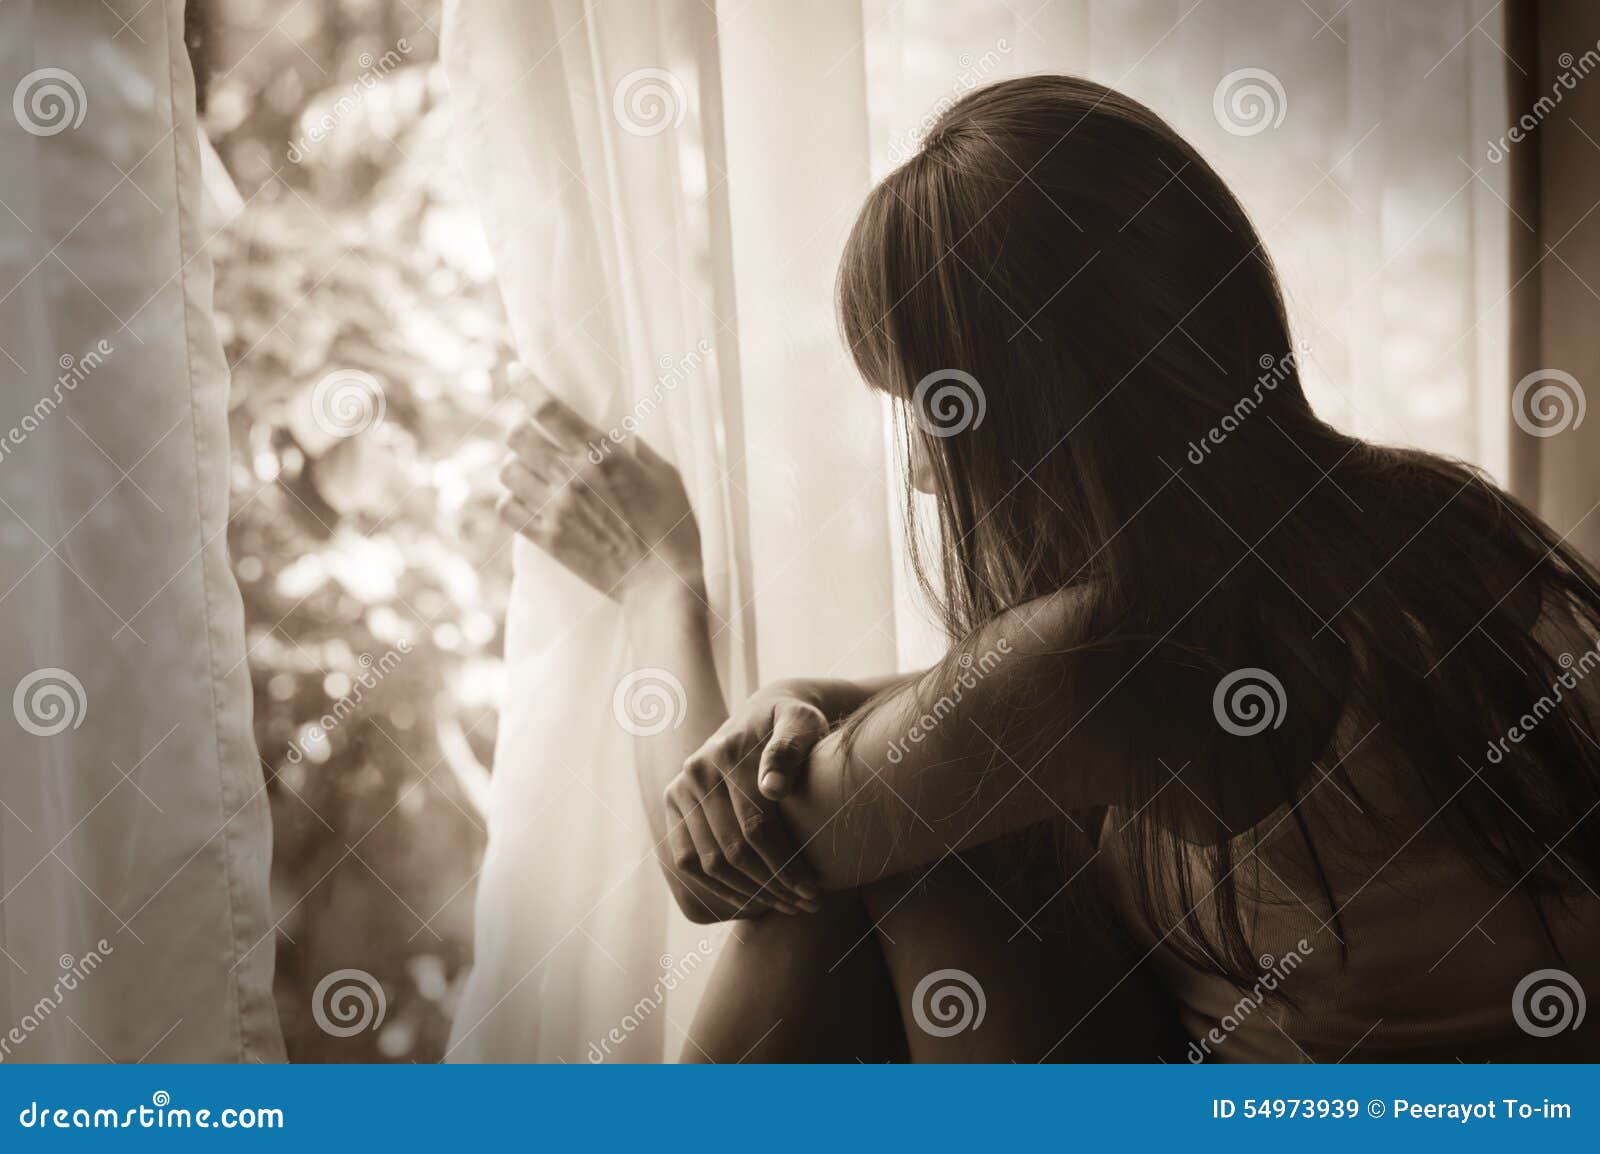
{"points": [[1422, 953]]}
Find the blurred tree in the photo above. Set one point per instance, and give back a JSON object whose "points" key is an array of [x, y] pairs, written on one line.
{"points": [[356, 302]]}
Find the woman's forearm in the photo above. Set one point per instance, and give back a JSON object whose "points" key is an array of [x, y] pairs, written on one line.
{"points": [[1018, 728], [670, 642], [837, 697], [935, 765]]}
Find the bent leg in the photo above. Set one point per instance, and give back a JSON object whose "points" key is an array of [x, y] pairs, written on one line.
{"points": [[1054, 982], [900, 970], [793, 989]]}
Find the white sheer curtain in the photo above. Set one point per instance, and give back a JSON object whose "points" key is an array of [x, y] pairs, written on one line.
{"points": [[134, 842], [654, 178], [614, 175], [603, 290]]}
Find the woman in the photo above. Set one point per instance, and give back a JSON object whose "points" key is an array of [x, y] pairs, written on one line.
{"points": [[1241, 715]]}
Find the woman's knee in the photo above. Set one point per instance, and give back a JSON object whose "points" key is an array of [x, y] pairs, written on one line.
{"points": [[799, 989], [989, 965]]}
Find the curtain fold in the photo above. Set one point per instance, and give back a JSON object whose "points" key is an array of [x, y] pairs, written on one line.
{"points": [[134, 842]]}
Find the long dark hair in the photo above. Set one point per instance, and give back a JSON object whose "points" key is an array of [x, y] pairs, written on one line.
{"points": [[1089, 344]]}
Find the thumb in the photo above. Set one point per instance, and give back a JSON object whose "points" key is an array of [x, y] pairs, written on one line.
{"points": [[796, 728]]}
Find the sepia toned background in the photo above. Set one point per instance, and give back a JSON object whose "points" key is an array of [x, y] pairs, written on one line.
{"points": [[357, 301]]}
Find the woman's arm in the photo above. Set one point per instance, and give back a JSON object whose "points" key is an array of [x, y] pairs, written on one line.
{"points": [[669, 641], [732, 839], [838, 698], [619, 518], [1018, 725], [1014, 728]]}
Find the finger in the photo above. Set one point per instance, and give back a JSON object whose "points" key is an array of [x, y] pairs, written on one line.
{"points": [[769, 837], [525, 520], [597, 521], [796, 728], [588, 494], [537, 451], [680, 845], [713, 862], [557, 420], [526, 485], [738, 851], [571, 507], [718, 757], [709, 824], [737, 733], [527, 385], [549, 529]]}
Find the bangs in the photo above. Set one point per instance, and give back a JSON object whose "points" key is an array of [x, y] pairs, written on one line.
{"points": [[866, 292]]}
